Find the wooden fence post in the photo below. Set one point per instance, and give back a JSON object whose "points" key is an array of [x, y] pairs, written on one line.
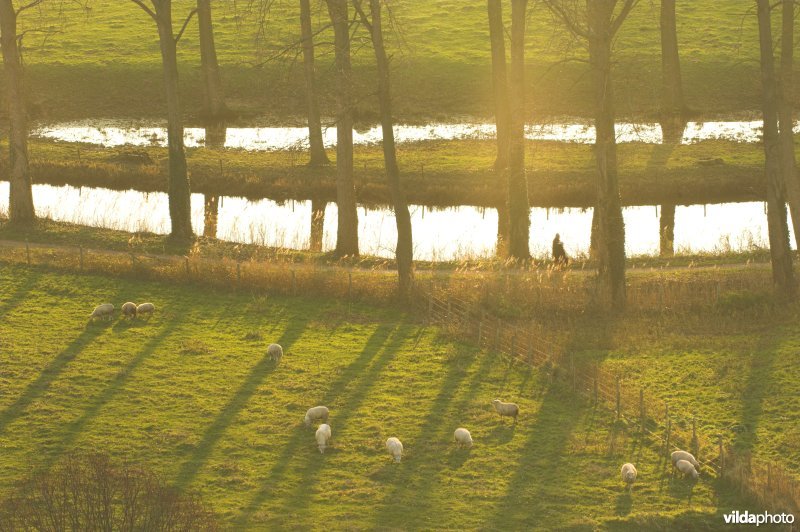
{"points": [[641, 410], [530, 348]]}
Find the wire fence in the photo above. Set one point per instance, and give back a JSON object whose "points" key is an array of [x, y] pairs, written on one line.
{"points": [[769, 484]]}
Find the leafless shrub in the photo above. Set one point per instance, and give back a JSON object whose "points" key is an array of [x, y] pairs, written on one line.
{"points": [[89, 492]]}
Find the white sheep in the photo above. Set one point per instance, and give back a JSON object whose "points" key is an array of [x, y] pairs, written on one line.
{"points": [[316, 413], [686, 468], [323, 435], [128, 310], [506, 409], [104, 311], [395, 448], [145, 308], [463, 437], [683, 455], [275, 353], [628, 474]]}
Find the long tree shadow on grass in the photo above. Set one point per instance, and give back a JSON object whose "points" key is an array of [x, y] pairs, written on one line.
{"points": [[19, 292], [50, 373], [762, 364], [75, 428], [352, 399], [235, 405], [539, 473], [301, 435], [412, 484]]}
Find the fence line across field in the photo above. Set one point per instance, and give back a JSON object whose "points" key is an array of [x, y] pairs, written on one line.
{"points": [[768, 483]]}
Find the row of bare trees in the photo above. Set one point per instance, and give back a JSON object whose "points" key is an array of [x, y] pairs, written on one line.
{"points": [[595, 24]]}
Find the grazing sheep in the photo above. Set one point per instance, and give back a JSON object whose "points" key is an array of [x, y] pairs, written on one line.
{"points": [[104, 311], [395, 448], [128, 310], [683, 455], [275, 352], [628, 474], [145, 308], [463, 437], [686, 468], [506, 409], [316, 413], [323, 435]]}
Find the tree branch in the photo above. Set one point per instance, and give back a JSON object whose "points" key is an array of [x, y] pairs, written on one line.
{"points": [[147, 10], [34, 3], [364, 19], [185, 23], [571, 23], [617, 22]]}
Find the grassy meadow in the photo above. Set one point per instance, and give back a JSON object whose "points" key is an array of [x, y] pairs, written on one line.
{"points": [[439, 173], [191, 394], [91, 60]]}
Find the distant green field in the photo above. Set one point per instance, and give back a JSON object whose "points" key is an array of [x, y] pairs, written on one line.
{"points": [[191, 394], [105, 61]]}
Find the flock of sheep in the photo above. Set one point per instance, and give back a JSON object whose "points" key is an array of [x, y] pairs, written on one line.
{"points": [[682, 461], [130, 311], [394, 446]]}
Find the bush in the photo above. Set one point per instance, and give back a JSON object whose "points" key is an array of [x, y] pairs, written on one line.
{"points": [[88, 492]]}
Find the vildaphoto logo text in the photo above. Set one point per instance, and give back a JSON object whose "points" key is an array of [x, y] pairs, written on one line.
{"points": [[746, 518]]}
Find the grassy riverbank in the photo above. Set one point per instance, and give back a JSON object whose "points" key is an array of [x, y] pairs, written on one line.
{"points": [[104, 62], [440, 173], [67, 234]]}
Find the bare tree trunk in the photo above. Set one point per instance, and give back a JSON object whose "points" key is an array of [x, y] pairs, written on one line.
{"points": [[672, 102], [502, 114], [405, 249], [317, 224], [610, 237], [347, 230], [779, 249], [216, 135], [519, 212], [180, 211], [20, 194], [318, 157], [666, 224], [210, 216], [786, 117], [214, 108]]}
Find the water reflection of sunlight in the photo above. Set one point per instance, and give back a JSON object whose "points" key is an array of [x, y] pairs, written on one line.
{"points": [[117, 133], [439, 234]]}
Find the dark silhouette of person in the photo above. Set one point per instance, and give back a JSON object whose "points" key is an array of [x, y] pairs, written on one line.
{"points": [[559, 255]]}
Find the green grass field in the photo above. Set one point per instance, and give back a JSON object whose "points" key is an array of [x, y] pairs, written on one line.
{"points": [[104, 62], [441, 173], [191, 394]]}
